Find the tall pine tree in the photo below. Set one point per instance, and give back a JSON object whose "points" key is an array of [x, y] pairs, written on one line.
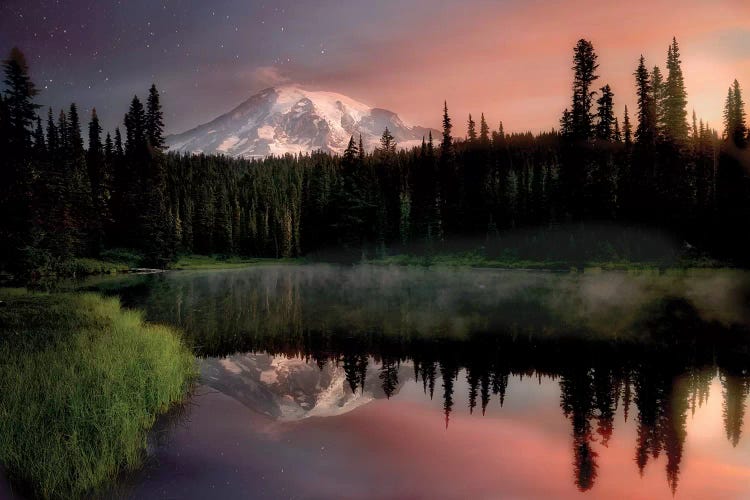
{"points": [[645, 133], [658, 90], [605, 114], [471, 131], [484, 132], [17, 115], [675, 97], [99, 178], [154, 120], [584, 68]]}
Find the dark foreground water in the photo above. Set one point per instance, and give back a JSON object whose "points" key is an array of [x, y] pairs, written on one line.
{"points": [[372, 382]]}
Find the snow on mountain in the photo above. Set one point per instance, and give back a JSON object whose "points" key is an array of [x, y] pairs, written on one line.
{"points": [[288, 389], [289, 119]]}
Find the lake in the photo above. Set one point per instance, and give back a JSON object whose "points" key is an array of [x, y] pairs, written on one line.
{"points": [[321, 381]]}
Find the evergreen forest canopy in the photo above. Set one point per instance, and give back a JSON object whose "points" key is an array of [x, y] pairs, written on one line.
{"points": [[657, 172]]}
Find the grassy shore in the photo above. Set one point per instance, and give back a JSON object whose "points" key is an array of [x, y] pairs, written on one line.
{"points": [[116, 261], [81, 383], [478, 260], [194, 262]]}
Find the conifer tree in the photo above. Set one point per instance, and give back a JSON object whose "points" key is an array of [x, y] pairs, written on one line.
{"points": [[627, 130], [584, 67], [99, 179], [154, 120], [675, 96], [79, 185], [658, 90], [17, 114], [132, 174], [387, 143], [74, 138], [54, 198], [694, 132], [566, 124], [29, 189], [135, 129], [121, 179], [471, 131], [645, 132], [52, 138], [729, 118], [739, 113], [732, 186], [484, 132], [95, 153], [447, 192], [351, 152], [446, 147], [735, 127], [605, 114], [19, 103]]}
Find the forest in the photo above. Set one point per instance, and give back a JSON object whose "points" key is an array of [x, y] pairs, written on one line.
{"points": [[592, 187]]}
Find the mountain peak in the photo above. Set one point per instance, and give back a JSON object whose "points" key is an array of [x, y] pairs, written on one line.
{"points": [[291, 119]]}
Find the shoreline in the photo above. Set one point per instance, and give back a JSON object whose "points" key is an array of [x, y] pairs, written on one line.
{"points": [[83, 383]]}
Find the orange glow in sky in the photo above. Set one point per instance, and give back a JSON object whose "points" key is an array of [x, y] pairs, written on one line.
{"points": [[511, 60]]}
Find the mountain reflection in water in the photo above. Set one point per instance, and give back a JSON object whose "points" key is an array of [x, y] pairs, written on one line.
{"points": [[645, 350]]}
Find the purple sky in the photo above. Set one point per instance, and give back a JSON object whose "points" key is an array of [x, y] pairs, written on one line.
{"points": [[507, 58]]}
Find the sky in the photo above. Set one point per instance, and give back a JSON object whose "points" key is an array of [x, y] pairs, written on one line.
{"points": [[508, 59]]}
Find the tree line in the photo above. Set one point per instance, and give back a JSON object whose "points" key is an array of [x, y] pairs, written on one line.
{"points": [[63, 199]]}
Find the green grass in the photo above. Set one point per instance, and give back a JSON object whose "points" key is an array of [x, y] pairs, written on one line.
{"points": [[111, 261], [477, 259], [87, 266], [185, 262], [468, 259], [81, 383]]}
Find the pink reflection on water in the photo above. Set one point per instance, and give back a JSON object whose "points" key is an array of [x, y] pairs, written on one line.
{"points": [[400, 448]]}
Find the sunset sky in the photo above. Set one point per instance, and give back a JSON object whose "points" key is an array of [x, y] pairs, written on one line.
{"points": [[507, 58]]}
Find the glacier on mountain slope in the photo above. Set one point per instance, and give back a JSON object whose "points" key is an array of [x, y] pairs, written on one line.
{"points": [[288, 119]]}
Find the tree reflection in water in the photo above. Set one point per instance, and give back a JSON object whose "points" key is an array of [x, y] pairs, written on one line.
{"points": [[652, 344]]}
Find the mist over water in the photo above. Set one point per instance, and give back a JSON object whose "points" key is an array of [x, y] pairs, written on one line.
{"points": [[422, 302], [612, 367]]}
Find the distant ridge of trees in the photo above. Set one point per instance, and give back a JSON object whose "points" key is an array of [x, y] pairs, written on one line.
{"points": [[62, 200]]}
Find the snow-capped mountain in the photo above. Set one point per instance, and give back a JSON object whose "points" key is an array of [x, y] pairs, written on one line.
{"points": [[290, 388], [289, 119]]}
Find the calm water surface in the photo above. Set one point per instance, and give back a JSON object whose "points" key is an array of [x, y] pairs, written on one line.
{"points": [[370, 382]]}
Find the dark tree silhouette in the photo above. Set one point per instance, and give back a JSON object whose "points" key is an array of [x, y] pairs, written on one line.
{"points": [[675, 97], [584, 68], [605, 125]]}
